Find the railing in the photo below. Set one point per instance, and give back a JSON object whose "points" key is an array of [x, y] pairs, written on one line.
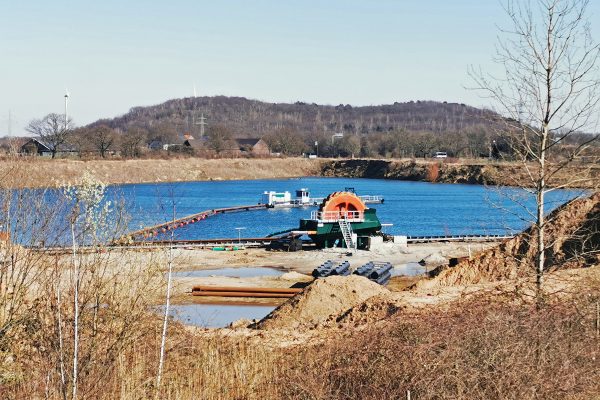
{"points": [[372, 199], [334, 216]]}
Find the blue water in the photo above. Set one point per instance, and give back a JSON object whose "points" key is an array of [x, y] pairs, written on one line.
{"points": [[246, 272], [414, 208], [215, 315]]}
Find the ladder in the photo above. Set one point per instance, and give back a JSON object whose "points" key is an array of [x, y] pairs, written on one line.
{"points": [[346, 229]]}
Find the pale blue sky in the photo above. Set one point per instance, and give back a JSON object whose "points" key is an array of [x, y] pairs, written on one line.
{"points": [[114, 55]]}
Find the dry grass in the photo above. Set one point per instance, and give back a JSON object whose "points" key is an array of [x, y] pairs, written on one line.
{"points": [[37, 172], [479, 349]]}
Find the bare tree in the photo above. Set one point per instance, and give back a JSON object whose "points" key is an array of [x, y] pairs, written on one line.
{"points": [[103, 139], [132, 140], [548, 92], [218, 136], [53, 130]]}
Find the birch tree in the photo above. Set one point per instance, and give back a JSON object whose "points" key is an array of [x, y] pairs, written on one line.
{"points": [[548, 91]]}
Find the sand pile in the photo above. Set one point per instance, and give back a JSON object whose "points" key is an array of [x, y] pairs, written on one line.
{"points": [[373, 309], [434, 259], [325, 298], [573, 230], [295, 276]]}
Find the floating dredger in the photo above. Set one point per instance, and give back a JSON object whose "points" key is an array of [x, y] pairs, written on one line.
{"points": [[342, 220]]}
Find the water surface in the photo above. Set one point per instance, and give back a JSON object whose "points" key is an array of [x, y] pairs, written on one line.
{"points": [[414, 208], [215, 315], [245, 272]]}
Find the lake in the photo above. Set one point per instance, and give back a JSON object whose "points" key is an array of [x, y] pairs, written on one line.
{"points": [[414, 208]]}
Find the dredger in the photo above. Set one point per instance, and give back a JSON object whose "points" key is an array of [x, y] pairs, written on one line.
{"points": [[342, 220]]}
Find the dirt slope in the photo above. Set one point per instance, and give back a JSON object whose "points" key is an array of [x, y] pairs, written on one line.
{"points": [[323, 299], [573, 231], [472, 172]]}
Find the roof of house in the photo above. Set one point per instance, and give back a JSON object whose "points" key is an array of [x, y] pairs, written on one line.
{"points": [[248, 142], [194, 143], [47, 147]]}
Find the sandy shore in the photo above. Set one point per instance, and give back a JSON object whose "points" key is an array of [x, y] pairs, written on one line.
{"points": [[300, 264]]}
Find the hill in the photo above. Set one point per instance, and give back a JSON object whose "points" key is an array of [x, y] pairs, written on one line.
{"points": [[293, 128], [253, 117]]}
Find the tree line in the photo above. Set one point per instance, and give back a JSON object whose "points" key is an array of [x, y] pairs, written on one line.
{"points": [[413, 130]]}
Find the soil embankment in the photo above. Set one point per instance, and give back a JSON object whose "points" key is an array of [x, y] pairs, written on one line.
{"points": [[38, 172], [572, 232], [46, 173], [502, 174]]}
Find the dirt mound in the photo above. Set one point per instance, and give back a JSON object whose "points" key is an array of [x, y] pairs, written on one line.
{"points": [[373, 309], [573, 231], [321, 300], [434, 259], [295, 276]]}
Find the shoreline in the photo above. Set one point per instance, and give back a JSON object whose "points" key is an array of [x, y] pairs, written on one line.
{"points": [[36, 173]]}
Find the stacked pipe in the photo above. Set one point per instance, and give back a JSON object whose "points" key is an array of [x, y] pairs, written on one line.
{"points": [[380, 273], [343, 269], [235, 291], [323, 270], [365, 270]]}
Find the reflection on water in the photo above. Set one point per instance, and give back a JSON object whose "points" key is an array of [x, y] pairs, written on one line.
{"points": [[409, 269], [215, 315], [243, 272]]}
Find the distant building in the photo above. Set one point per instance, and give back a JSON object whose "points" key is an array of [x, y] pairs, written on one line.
{"points": [[38, 147], [156, 145], [248, 147]]}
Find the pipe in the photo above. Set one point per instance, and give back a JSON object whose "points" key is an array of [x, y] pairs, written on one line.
{"points": [[243, 294], [324, 270], [343, 269], [383, 279], [365, 270], [381, 270], [245, 289]]}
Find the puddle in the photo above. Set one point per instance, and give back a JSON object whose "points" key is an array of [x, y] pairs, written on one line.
{"points": [[409, 269], [215, 315], [243, 272]]}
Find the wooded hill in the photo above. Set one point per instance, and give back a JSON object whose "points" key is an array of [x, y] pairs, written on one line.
{"points": [[414, 128], [247, 117]]}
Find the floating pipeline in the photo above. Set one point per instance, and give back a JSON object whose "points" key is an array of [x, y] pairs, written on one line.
{"points": [[153, 231], [220, 248]]}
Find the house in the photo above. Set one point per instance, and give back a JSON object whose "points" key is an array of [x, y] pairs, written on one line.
{"points": [[39, 147], [156, 144], [248, 147]]}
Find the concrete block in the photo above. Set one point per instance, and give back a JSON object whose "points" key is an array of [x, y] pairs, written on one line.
{"points": [[401, 241]]}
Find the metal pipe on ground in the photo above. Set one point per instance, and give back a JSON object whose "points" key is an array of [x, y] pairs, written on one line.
{"points": [[324, 270], [365, 270], [383, 279], [343, 269], [243, 294], [380, 270], [245, 289]]}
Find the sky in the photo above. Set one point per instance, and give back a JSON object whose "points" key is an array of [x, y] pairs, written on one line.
{"points": [[114, 55]]}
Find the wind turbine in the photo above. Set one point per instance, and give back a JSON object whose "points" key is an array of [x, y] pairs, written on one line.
{"points": [[66, 104]]}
